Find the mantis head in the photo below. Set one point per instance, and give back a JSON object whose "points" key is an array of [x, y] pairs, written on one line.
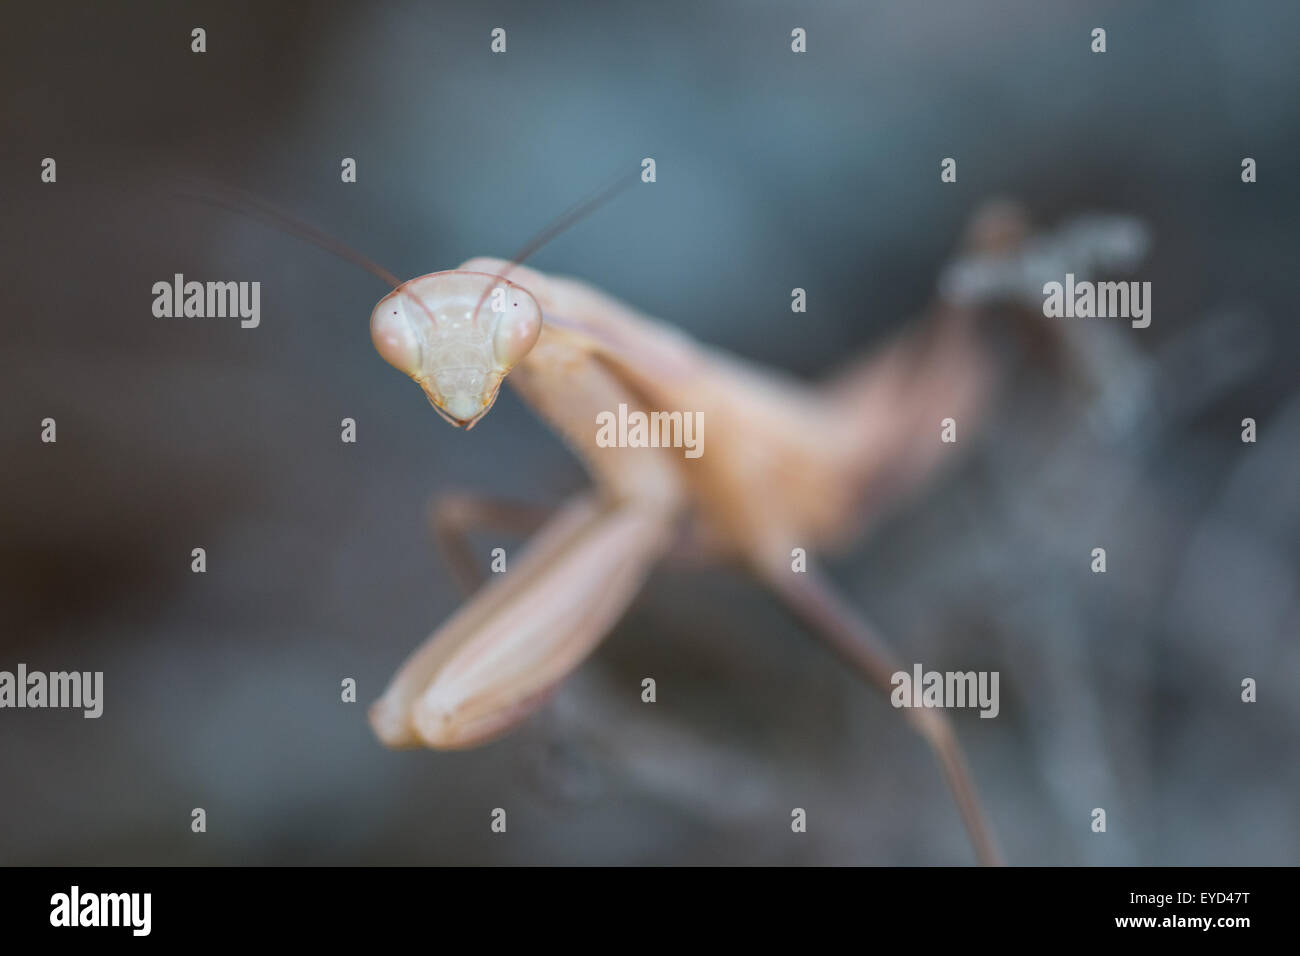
{"points": [[456, 334]]}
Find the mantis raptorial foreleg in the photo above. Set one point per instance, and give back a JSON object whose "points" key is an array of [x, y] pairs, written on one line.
{"points": [[499, 656], [497, 659], [451, 518]]}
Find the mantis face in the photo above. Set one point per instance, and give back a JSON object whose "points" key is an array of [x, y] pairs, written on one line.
{"points": [[456, 334]]}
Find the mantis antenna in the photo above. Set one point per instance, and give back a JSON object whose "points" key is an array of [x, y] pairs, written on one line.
{"points": [[237, 200], [572, 217], [563, 223]]}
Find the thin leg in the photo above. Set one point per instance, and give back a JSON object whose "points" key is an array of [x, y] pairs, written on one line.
{"points": [[452, 517], [502, 653], [841, 626]]}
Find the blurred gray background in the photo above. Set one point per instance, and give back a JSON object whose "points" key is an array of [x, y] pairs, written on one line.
{"points": [[775, 170]]}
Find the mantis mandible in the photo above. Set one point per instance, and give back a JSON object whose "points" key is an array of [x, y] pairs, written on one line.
{"points": [[788, 466]]}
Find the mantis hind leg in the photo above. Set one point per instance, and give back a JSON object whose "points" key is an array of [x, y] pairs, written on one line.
{"points": [[812, 599]]}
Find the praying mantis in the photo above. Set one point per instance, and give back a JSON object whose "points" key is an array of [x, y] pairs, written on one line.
{"points": [[790, 470]]}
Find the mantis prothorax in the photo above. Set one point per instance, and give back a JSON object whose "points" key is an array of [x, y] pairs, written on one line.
{"points": [[788, 466]]}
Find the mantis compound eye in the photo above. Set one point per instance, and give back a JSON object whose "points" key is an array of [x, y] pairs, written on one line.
{"points": [[517, 328], [393, 335], [457, 334]]}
